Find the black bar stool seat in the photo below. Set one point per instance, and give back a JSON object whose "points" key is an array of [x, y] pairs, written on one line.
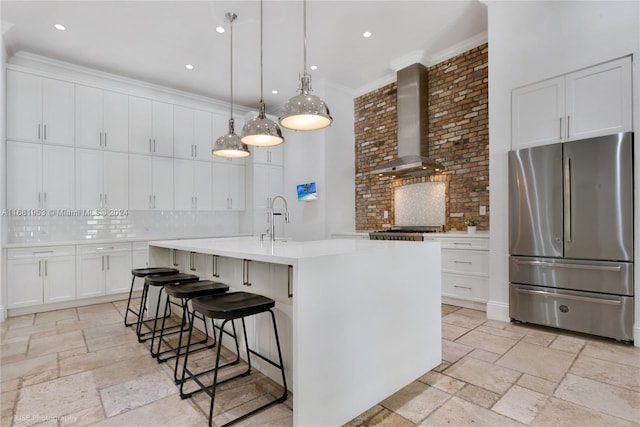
{"points": [[142, 272], [229, 307], [157, 280]]}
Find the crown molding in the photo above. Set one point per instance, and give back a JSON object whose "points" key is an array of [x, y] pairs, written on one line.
{"points": [[458, 48]]}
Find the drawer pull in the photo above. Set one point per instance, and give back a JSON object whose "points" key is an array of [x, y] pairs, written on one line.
{"points": [[463, 243], [571, 297], [572, 266], [463, 287], [462, 262], [245, 272], [290, 282]]}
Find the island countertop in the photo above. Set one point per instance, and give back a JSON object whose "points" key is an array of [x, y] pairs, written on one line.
{"points": [[279, 252]]}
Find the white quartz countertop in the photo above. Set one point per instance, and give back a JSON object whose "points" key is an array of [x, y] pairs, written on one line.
{"points": [[280, 252]]}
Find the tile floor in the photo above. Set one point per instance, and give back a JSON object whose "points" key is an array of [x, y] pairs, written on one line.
{"points": [[83, 367]]}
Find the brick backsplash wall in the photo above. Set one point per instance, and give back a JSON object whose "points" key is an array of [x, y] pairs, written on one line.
{"points": [[458, 139]]}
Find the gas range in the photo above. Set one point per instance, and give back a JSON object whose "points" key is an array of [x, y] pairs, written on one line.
{"points": [[405, 232]]}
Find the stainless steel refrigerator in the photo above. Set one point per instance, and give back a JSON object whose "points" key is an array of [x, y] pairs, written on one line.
{"points": [[571, 235]]}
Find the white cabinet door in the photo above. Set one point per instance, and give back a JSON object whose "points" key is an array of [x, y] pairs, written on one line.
{"points": [[163, 183], [162, 129], [183, 132], [89, 179], [268, 155], [59, 279], [599, 100], [183, 180], [89, 115], [58, 116], [220, 187], [115, 121], [202, 186], [24, 175], [118, 272], [203, 137], [90, 275], [24, 277], [116, 180], [267, 183], [220, 126], [140, 182], [537, 113], [24, 106], [58, 175], [140, 125]]}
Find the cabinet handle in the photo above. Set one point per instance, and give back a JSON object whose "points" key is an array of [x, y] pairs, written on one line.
{"points": [[462, 243], [150, 150], [102, 262], [196, 147], [568, 126], [290, 282], [100, 136], [214, 266], [245, 272], [39, 268], [150, 201], [195, 198], [38, 131], [105, 200], [463, 287], [46, 267], [45, 132], [462, 262], [105, 139], [39, 199], [41, 252], [560, 128], [108, 262], [175, 263], [45, 197], [154, 145], [191, 261], [101, 204]]}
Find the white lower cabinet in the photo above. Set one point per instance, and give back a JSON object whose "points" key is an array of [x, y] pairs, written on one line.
{"points": [[193, 263], [40, 275], [465, 271], [139, 259], [103, 269]]}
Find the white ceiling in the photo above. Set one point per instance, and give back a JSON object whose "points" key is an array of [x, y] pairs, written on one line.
{"points": [[154, 40]]}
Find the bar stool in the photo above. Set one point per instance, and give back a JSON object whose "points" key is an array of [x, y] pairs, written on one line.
{"points": [[143, 272], [161, 281], [229, 307], [185, 293]]}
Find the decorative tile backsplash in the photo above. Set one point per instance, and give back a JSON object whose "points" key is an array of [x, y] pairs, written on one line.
{"points": [[420, 204], [135, 225]]}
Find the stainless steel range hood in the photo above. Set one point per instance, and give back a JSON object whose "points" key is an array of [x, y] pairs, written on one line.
{"points": [[413, 126]]}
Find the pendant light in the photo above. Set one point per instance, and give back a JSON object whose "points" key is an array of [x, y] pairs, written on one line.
{"points": [[305, 111], [261, 131], [230, 145]]}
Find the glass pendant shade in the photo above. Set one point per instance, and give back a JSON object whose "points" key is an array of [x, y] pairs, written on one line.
{"points": [[230, 145], [262, 131]]}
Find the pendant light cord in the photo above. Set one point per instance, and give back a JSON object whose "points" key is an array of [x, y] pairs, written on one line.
{"points": [[304, 14], [261, 55], [231, 19]]}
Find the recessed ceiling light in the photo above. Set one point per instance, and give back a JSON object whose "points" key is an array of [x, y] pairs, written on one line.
{"points": [[367, 34], [60, 27], [275, 92], [314, 67], [220, 29], [189, 67]]}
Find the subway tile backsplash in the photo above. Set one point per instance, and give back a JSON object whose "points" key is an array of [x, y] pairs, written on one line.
{"points": [[135, 225]]}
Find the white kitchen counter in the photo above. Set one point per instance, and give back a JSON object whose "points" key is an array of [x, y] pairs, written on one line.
{"points": [[358, 319]]}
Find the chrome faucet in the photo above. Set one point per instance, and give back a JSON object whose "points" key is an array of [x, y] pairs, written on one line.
{"points": [[273, 213]]}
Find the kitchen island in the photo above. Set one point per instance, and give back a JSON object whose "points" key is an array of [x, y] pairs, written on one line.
{"points": [[358, 319]]}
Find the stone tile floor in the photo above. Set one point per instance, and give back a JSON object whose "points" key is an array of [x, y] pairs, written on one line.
{"points": [[81, 366]]}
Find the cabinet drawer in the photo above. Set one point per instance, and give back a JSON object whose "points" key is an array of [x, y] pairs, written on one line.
{"points": [[43, 252], [466, 262], [98, 249], [466, 287], [140, 246], [480, 243]]}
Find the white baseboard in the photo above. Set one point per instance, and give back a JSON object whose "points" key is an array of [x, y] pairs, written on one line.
{"points": [[497, 310], [474, 305]]}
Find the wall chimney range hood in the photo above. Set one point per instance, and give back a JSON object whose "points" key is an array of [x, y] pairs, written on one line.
{"points": [[413, 126]]}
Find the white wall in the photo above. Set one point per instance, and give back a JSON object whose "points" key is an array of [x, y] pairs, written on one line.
{"points": [[327, 157], [533, 41], [3, 91]]}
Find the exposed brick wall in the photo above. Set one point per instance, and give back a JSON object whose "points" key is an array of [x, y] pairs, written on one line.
{"points": [[458, 138]]}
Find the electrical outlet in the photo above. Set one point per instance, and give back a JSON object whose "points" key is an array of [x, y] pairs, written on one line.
{"points": [[483, 210], [385, 214]]}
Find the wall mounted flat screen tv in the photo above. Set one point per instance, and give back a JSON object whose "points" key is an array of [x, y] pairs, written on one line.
{"points": [[307, 191]]}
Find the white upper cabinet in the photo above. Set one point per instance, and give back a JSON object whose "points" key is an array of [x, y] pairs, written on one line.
{"points": [[192, 130], [150, 127], [592, 102], [599, 100], [40, 177], [228, 187], [39, 109], [268, 182], [150, 182], [102, 180], [193, 185], [268, 155], [102, 119]]}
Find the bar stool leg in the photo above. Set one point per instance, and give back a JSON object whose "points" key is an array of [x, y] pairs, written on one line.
{"points": [[129, 309], [143, 309]]}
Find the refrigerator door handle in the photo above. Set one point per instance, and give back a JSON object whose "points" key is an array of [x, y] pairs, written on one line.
{"points": [[571, 297], [567, 200], [575, 266]]}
